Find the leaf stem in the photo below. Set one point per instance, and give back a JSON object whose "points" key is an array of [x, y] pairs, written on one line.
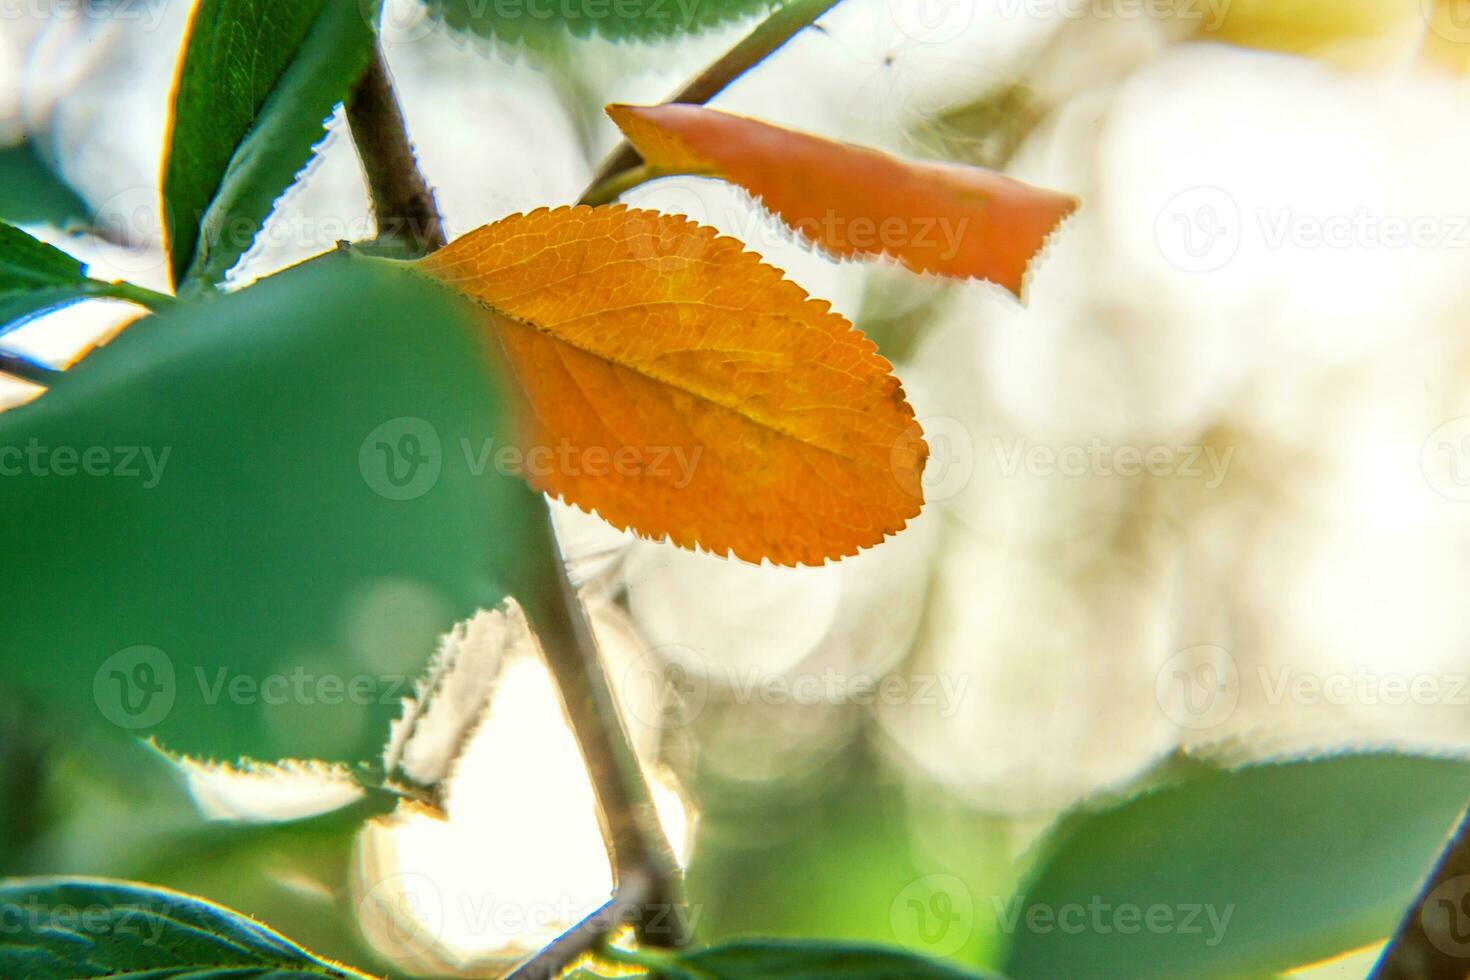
{"points": [[1413, 953], [141, 295], [403, 202], [614, 187], [767, 38]]}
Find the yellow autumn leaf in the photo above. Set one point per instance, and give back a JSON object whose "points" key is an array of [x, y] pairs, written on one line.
{"points": [[677, 385]]}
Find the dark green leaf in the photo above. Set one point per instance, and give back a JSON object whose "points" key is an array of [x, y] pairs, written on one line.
{"points": [[541, 24], [32, 193], [292, 497], [258, 80], [35, 277], [799, 959], [61, 929], [1236, 873]]}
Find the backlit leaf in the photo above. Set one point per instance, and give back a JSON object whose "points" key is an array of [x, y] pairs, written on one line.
{"points": [[679, 386], [540, 24], [1235, 873], [257, 80], [852, 201], [63, 928], [449, 702]]}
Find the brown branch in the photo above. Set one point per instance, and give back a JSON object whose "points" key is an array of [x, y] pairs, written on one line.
{"points": [[649, 886], [403, 203], [1432, 941], [767, 38], [635, 840]]}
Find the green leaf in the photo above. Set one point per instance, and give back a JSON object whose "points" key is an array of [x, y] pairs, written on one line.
{"points": [[795, 959], [1245, 872], [32, 193], [541, 24], [292, 495], [35, 277], [258, 80], [60, 929]]}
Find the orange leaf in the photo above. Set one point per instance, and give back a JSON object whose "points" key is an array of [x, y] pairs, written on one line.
{"points": [[851, 201], [679, 386]]}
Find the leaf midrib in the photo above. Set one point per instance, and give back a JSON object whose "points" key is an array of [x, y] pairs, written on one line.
{"points": [[709, 399]]}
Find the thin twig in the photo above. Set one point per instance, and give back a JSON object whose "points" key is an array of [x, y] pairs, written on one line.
{"points": [[632, 894], [1432, 942], [403, 203], [768, 37], [635, 840], [647, 880], [612, 188]]}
